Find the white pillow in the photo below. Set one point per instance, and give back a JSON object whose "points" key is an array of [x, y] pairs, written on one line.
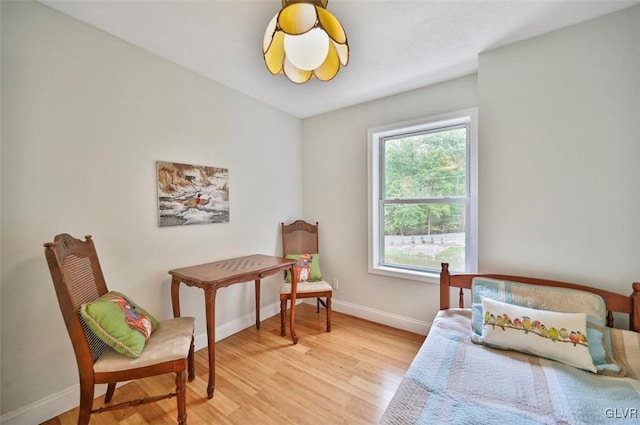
{"points": [[550, 334]]}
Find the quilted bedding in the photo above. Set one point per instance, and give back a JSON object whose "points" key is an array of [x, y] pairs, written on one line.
{"points": [[454, 381]]}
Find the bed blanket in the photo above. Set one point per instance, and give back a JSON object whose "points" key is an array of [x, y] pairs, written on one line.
{"points": [[454, 381]]}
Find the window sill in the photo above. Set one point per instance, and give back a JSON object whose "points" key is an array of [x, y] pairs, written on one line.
{"points": [[428, 277]]}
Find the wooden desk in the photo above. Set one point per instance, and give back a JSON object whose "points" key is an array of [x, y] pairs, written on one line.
{"points": [[220, 274]]}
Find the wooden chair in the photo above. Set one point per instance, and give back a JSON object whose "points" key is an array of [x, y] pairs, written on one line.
{"points": [[78, 279], [301, 237]]}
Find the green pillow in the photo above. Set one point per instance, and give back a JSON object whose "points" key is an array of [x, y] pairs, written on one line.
{"points": [[308, 267], [119, 322]]}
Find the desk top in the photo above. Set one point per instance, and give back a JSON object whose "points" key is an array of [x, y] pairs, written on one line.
{"points": [[226, 272]]}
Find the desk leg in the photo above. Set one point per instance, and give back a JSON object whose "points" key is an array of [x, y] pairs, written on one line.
{"points": [[258, 304], [175, 296], [292, 319], [210, 316]]}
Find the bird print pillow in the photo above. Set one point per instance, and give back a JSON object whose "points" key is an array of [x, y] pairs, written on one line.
{"points": [[550, 334], [308, 267], [549, 298], [119, 322]]}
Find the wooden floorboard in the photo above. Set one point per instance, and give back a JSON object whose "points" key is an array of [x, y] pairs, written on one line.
{"points": [[346, 376]]}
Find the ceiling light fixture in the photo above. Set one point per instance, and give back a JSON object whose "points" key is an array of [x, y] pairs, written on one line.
{"points": [[303, 41]]}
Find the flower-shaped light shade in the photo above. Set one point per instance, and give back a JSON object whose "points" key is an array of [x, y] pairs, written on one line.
{"points": [[303, 41]]}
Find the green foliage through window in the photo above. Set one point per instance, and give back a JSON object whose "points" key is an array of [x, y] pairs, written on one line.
{"points": [[426, 165], [423, 196]]}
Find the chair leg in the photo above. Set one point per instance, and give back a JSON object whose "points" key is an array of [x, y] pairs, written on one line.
{"points": [[328, 314], [191, 362], [111, 388], [181, 395], [283, 312], [86, 402], [317, 305]]}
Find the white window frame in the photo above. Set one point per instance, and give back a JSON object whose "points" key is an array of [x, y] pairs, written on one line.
{"points": [[376, 238]]}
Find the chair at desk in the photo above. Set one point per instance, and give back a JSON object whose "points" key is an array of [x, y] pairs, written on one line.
{"points": [[79, 283], [300, 241]]}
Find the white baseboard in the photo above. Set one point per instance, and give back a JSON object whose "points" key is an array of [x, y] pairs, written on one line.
{"points": [[48, 407], [56, 404], [394, 320]]}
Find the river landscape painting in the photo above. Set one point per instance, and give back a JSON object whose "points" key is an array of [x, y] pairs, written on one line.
{"points": [[192, 194]]}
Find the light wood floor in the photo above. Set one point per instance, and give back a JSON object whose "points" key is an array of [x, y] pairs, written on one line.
{"points": [[347, 376]]}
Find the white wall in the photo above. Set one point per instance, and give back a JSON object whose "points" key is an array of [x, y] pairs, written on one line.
{"points": [[559, 149], [334, 163], [84, 118], [558, 143]]}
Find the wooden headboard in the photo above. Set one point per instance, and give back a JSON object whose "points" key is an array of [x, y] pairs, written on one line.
{"points": [[626, 304]]}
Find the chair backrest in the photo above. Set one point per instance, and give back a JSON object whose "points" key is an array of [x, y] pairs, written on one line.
{"points": [[78, 279], [299, 237]]}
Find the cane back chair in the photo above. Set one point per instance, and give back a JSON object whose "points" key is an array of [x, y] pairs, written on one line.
{"points": [[298, 238], [78, 279]]}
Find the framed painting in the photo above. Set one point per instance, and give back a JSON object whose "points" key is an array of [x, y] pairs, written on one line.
{"points": [[192, 194]]}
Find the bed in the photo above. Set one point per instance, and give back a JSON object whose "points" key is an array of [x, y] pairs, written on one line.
{"points": [[458, 377]]}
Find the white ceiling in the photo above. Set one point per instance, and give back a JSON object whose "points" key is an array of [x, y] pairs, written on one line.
{"points": [[395, 46]]}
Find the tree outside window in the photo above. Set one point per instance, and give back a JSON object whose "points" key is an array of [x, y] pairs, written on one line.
{"points": [[424, 212]]}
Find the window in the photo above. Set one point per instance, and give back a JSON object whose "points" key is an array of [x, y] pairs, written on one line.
{"points": [[423, 196]]}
